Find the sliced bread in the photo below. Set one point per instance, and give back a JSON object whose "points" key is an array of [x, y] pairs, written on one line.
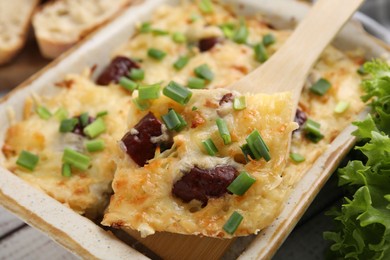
{"points": [[15, 16], [60, 24]]}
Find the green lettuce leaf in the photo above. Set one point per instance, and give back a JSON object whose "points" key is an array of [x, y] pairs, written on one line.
{"points": [[364, 219]]}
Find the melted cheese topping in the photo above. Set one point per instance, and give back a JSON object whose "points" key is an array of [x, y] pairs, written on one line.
{"points": [[86, 191], [145, 202]]}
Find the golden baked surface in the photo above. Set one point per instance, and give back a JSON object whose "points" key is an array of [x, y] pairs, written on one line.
{"points": [[85, 191]]}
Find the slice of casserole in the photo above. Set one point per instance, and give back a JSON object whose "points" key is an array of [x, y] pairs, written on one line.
{"points": [[225, 158]]}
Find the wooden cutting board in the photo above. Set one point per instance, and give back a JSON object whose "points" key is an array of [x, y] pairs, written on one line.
{"points": [[25, 64]]}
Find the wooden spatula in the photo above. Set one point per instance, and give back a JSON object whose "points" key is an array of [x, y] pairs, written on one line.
{"points": [[288, 68]]}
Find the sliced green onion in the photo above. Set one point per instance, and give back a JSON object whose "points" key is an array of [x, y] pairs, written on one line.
{"points": [[241, 34], [181, 62], [159, 32], [296, 157], [196, 83], [312, 130], [43, 112], [145, 27], [194, 17], [27, 160], [67, 125], [141, 104], [239, 103], [341, 107], [257, 146], [102, 113], [95, 145], [206, 6], [194, 108], [204, 72], [128, 84], [233, 222], [96, 128], [66, 171], [149, 92], [361, 70], [210, 147], [241, 184], [84, 119], [268, 39], [247, 153], [137, 74], [177, 93], [228, 30], [179, 37], [260, 52], [174, 121], [61, 113], [156, 54], [224, 131], [320, 87], [76, 159]]}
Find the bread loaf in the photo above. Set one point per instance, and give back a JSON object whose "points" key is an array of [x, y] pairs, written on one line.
{"points": [[60, 24], [15, 18]]}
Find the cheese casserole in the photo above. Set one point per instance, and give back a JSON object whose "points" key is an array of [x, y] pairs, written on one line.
{"points": [[200, 46]]}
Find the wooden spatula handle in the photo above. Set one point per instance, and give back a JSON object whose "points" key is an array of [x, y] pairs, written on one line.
{"points": [[287, 69]]}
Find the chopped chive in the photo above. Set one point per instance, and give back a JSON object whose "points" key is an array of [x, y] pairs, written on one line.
{"points": [[27, 160], [312, 130], [196, 83], [67, 125], [128, 84], [159, 32], [181, 62], [228, 30], [194, 108], [206, 6], [156, 54], [137, 74], [224, 131], [296, 157], [320, 87], [361, 70], [260, 52], [95, 128], [194, 17], [76, 159], [257, 146], [179, 37], [61, 113], [177, 93], [268, 39], [210, 147], [239, 103], [204, 72], [141, 104], [102, 113], [149, 92], [66, 171], [241, 184], [94, 145], [247, 153], [145, 27], [241, 34], [174, 121], [233, 222], [84, 119], [43, 112], [341, 107]]}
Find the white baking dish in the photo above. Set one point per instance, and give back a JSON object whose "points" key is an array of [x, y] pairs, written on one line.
{"points": [[82, 236]]}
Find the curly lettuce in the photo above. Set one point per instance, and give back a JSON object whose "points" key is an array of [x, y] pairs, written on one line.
{"points": [[364, 219]]}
